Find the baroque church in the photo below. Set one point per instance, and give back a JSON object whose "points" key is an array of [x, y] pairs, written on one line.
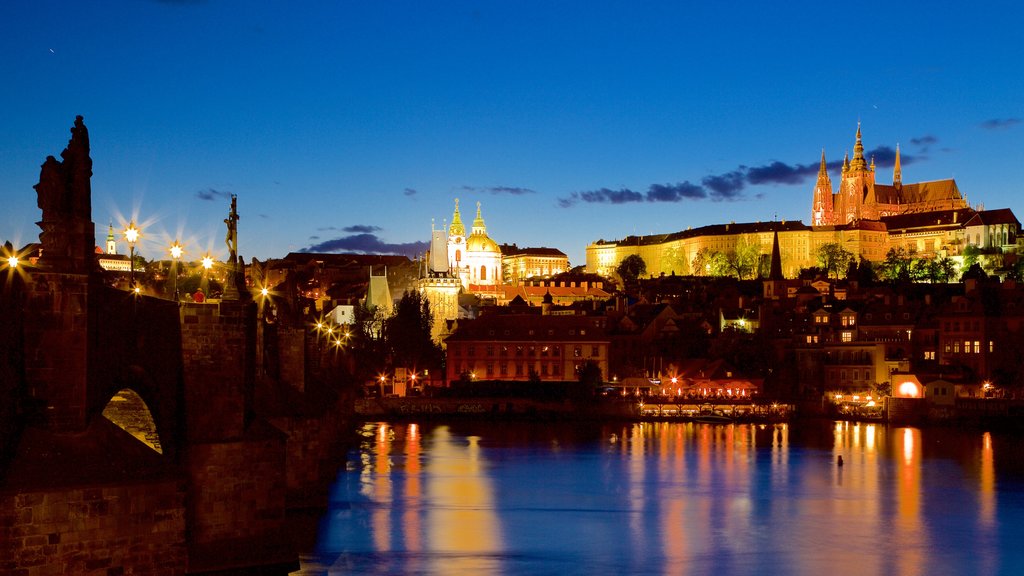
{"points": [[861, 198]]}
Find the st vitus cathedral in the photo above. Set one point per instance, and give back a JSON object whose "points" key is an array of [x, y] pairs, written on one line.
{"points": [[861, 198]]}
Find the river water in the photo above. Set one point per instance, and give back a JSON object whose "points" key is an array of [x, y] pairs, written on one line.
{"points": [[675, 498]]}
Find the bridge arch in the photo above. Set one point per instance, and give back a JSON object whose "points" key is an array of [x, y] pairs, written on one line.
{"points": [[131, 413]]}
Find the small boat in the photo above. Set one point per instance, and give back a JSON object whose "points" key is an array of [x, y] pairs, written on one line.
{"points": [[712, 419]]}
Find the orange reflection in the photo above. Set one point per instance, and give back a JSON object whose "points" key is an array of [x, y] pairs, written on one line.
{"points": [[411, 527], [462, 521], [909, 534]]}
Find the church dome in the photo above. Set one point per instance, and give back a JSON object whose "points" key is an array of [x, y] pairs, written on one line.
{"points": [[481, 243]]}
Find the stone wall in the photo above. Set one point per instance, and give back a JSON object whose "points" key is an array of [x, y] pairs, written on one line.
{"points": [[56, 344], [216, 346], [236, 502], [99, 530]]}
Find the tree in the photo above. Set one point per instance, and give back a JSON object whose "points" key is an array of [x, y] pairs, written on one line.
{"points": [[701, 264], [897, 265], [631, 268], [590, 373], [833, 258], [742, 260], [407, 334]]}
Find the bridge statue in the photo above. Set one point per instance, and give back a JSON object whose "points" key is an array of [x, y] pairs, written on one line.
{"points": [[231, 282]]}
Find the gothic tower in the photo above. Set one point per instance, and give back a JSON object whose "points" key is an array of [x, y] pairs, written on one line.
{"points": [[822, 211], [857, 188]]}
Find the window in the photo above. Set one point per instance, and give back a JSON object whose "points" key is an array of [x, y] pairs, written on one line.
{"points": [[544, 351], [929, 354], [556, 351], [847, 336], [577, 352], [956, 347], [977, 347], [483, 273], [583, 332], [519, 350], [991, 346], [967, 346], [490, 350], [504, 350], [504, 369], [595, 351], [471, 351]]}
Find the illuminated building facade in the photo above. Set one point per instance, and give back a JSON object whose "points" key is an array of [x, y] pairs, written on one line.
{"points": [[518, 346], [928, 219]]}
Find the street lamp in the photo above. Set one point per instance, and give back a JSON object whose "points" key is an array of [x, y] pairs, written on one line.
{"points": [[176, 251], [131, 235]]}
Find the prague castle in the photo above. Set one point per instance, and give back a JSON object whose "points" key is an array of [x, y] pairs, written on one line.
{"points": [[928, 219], [861, 198]]}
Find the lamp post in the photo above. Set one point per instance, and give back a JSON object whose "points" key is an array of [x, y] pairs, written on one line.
{"points": [[131, 235], [176, 251]]}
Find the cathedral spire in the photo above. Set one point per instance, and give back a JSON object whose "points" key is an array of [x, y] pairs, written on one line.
{"points": [[897, 176], [858, 162], [822, 204], [457, 228], [846, 162]]}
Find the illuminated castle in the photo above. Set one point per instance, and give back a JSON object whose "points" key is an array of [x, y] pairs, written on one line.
{"points": [[861, 198]]}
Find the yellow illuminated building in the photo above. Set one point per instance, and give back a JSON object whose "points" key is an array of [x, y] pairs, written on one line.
{"points": [[928, 219]]}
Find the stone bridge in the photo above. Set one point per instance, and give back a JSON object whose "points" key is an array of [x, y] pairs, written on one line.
{"points": [[133, 437]]}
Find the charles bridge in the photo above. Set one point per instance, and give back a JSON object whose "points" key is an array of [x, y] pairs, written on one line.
{"points": [[142, 435]]}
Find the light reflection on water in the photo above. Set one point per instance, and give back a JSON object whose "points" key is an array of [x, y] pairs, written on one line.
{"points": [[673, 498]]}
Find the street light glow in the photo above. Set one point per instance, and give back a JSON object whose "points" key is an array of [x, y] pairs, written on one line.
{"points": [[207, 262], [176, 250], [131, 234], [12, 261]]}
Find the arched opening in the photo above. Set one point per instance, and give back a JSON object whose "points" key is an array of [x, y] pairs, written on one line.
{"points": [[483, 273], [129, 411]]}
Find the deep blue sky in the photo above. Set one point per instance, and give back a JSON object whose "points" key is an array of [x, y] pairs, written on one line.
{"points": [[350, 125]]}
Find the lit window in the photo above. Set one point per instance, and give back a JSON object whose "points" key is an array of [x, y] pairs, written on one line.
{"points": [[977, 347], [991, 346], [847, 336], [956, 347]]}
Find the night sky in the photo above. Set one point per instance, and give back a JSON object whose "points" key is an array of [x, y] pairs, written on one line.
{"points": [[349, 126]]}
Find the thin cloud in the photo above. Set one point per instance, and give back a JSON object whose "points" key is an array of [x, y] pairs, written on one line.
{"points": [[496, 190], [212, 194], [368, 244], [923, 141], [361, 229], [780, 173], [410, 192], [1000, 123], [728, 186]]}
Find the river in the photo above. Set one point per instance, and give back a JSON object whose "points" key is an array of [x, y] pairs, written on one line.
{"points": [[675, 498]]}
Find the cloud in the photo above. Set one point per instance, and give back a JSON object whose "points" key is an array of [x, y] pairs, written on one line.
{"points": [[368, 244], [212, 194], [999, 123], [409, 192], [780, 173], [730, 186], [361, 229], [675, 192], [923, 141], [726, 185], [496, 190]]}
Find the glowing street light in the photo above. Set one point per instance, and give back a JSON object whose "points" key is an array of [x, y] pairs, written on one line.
{"points": [[207, 262], [131, 235], [12, 262], [176, 252]]}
